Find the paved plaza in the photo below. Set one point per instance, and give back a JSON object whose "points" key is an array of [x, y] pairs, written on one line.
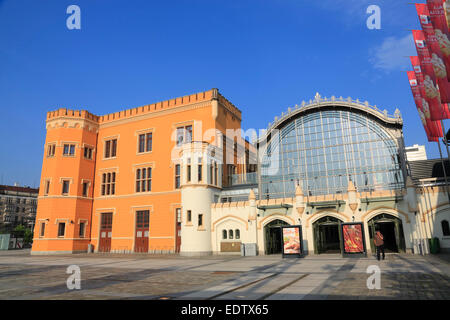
{"points": [[171, 277]]}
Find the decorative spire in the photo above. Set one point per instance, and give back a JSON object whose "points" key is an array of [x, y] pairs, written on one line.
{"points": [[317, 97], [298, 191], [251, 196], [351, 186]]}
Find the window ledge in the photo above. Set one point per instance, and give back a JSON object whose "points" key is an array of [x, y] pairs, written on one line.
{"points": [[142, 153], [189, 224], [110, 158], [201, 229]]}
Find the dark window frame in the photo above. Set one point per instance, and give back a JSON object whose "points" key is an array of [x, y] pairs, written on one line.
{"points": [[65, 183], [61, 231]]}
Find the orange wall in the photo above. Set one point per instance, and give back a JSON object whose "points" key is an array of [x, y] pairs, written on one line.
{"points": [[161, 119]]}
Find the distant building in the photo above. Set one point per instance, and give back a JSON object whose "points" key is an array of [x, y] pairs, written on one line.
{"points": [[17, 206], [416, 153]]}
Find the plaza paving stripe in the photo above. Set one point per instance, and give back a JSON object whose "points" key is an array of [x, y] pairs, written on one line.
{"points": [[283, 287]]}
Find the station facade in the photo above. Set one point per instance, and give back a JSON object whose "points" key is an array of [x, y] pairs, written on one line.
{"points": [[178, 177]]}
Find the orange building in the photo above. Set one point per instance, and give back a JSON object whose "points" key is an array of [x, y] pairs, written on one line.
{"points": [[113, 181]]}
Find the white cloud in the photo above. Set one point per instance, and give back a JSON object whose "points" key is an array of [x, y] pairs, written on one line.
{"points": [[393, 53]]}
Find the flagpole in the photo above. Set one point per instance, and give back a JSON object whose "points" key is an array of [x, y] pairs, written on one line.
{"points": [[445, 139], [443, 167]]}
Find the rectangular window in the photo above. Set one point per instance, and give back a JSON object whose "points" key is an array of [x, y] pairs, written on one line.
{"points": [[199, 170], [142, 219], [142, 143], [215, 173], [61, 229], [184, 135], [110, 148], [177, 176], [82, 229], [85, 189], [51, 150], [42, 230], [200, 220], [65, 186], [88, 153], [149, 143], [211, 170], [108, 184], [144, 180], [69, 150], [145, 142], [47, 187], [178, 213], [106, 221], [189, 216]]}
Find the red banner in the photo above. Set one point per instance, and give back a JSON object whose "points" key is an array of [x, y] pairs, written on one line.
{"points": [[429, 126], [446, 4], [432, 95], [441, 30], [441, 65]]}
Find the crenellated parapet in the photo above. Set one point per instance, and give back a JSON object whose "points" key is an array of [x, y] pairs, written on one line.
{"points": [[66, 118]]}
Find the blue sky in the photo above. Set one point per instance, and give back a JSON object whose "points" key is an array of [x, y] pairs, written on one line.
{"points": [[263, 55]]}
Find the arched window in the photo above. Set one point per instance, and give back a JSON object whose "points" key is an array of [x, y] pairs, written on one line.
{"points": [[230, 234], [326, 147], [445, 228], [237, 233], [224, 234]]}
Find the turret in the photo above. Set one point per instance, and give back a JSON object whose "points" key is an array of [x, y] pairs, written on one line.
{"points": [[66, 187], [201, 181]]}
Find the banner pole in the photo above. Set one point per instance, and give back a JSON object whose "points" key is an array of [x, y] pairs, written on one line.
{"points": [[443, 167], [445, 139]]}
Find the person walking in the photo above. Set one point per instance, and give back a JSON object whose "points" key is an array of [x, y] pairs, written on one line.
{"points": [[378, 241]]}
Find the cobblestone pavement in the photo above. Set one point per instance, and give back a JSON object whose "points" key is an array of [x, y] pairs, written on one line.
{"points": [[115, 276]]}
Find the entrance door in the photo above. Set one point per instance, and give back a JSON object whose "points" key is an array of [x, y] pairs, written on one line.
{"points": [[272, 233], [141, 236], [105, 232], [392, 230], [327, 235]]}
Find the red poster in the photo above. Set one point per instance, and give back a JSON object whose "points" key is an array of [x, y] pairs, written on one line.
{"points": [[440, 64], [441, 30], [291, 240], [432, 95], [428, 125], [353, 238]]}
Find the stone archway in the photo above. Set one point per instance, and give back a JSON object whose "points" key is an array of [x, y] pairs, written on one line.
{"points": [[327, 235], [392, 229], [272, 236]]}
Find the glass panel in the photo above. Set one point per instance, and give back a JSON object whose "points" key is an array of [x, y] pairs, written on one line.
{"points": [[324, 150]]}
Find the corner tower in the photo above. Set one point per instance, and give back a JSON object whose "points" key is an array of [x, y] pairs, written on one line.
{"points": [[63, 218]]}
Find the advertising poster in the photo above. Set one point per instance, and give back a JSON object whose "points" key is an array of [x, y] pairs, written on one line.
{"points": [[353, 238], [291, 240]]}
